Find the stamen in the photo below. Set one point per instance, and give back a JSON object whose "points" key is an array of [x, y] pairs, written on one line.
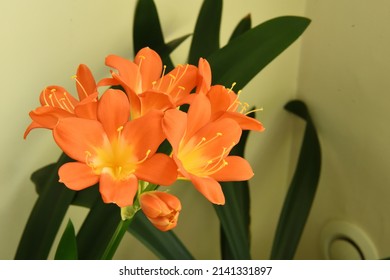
{"points": [[78, 82], [200, 143], [180, 89], [145, 158], [204, 142], [162, 75], [67, 98], [253, 111], [88, 161], [172, 81], [51, 100], [64, 105], [182, 74], [231, 88], [44, 98], [119, 130]]}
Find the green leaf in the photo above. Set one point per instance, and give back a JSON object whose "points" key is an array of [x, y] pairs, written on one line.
{"points": [[302, 189], [67, 247], [47, 214], [243, 26], [234, 216], [147, 31], [165, 245], [97, 229], [243, 58], [205, 39], [172, 45]]}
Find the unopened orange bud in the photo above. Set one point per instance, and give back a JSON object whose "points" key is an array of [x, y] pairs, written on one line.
{"points": [[161, 208]]}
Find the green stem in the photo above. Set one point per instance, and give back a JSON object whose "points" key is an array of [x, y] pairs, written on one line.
{"points": [[116, 239]]}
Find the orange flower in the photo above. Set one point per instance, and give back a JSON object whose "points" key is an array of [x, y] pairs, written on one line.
{"points": [[161, 208], [146, 84], [224, 102], [201, 148], [114, 151], [57, 103]]}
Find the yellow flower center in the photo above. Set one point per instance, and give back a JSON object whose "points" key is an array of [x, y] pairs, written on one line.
{"points": [[200, 160], [116, 158]]}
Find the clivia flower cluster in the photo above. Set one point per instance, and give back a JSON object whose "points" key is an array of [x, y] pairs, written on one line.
{"points": [[114, 138]]}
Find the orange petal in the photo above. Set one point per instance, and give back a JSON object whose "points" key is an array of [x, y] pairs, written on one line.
{"points": [[204, 76], [86, 84], [245, 122], [150, 66], [210, 188], [158, 169], [174, 125], [127, 69], [87, 108], [30, 127], [237, 169], [155, 100], [198, 114], [77, 176], [169, 199], [144, 133], [48, 117], [163, 223], [219, 99], [120, 192], [113, 111], [152, 205], [77, 136], [225, 132]]}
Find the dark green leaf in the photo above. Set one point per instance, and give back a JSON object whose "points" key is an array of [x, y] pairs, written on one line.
{"points": [[46, 216], [205, 39], [87, 197], [147, 31], [234, 216], [84, 198], [248, 54], [172, 45], [243, 26], [67, 247], [164, 245], [39, 177], [302, 189], [97, 230]]}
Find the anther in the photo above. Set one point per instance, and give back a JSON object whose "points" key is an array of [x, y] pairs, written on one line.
{"points": [[231, 88], [119, 130]]}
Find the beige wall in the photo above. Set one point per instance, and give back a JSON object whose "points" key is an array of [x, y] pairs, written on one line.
{"points": [[344, 77], [43, 42]]}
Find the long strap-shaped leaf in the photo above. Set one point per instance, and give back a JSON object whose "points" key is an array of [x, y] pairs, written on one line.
{"points": [[205, 39], [248, 54], [47, 214], [147, 32], [302, 190], [97, 229], [67, 247]]}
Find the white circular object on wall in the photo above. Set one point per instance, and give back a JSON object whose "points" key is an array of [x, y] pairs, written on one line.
{"points": [[342, 240]]}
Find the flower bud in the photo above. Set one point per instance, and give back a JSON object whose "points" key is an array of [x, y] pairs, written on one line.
{"points": [[161, 208]]}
